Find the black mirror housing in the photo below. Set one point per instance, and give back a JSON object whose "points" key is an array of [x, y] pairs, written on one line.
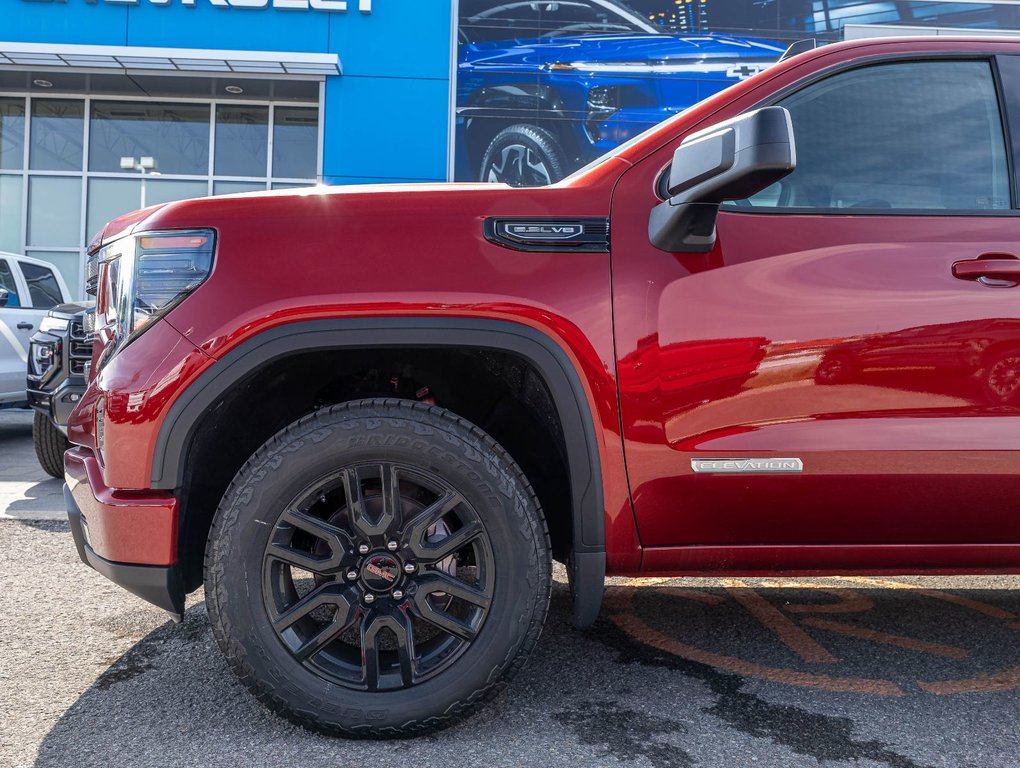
{"points": [[729, 161]]}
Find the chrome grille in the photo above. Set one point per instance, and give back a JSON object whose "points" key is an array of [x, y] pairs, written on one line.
{"points": [[92, 274], [79, 350]]}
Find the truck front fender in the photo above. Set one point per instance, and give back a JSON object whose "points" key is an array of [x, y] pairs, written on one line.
{"points": [[588, 552]]}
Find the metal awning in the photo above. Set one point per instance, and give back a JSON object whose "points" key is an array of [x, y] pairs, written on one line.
{"points": [[190, 60]]}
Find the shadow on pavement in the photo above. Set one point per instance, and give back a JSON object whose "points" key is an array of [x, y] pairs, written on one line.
{"points": [[15, 423], [47, 526], [46, 496], [794, 673]]}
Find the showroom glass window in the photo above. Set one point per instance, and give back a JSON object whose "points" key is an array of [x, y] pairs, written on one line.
{"points": [[57, 134], [912, 136], [12, 133], [242, 140], [177, 135], [487, 21], [12, 163], [60, 161], [295, 142]]}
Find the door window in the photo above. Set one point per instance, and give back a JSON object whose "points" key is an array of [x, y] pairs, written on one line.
{"points": [[485, 21], [921, 136], [43, 287], [8, 284]]}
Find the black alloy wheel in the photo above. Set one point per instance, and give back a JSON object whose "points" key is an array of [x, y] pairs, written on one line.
{"points": [[378, 576], [378, 568]]}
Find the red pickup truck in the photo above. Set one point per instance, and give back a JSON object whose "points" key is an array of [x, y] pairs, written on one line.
{"points": [[777, 334]]}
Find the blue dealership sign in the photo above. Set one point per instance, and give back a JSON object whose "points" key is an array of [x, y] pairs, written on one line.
{"points": [[331, 6], [385, 118]]}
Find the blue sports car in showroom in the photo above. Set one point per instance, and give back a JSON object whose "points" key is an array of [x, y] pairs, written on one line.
{"points": [[545, 87]]}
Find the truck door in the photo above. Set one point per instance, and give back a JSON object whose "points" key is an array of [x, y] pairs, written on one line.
{"points": [[17, 321], [861, 319]]}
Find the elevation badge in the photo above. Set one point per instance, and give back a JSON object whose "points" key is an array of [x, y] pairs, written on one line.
{"points": [[736, 466]]}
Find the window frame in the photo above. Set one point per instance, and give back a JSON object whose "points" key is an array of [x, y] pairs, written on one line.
{"points": [[54, 274], [10, 260], [1009, 94], [1009, 137]]}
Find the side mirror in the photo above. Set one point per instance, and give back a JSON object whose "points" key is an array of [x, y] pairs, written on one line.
{"points": [[5, 296], [729, 161]]}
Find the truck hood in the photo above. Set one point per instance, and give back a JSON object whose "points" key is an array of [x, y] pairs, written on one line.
{"points": [[330, 251], [120, 226], [147, 218], [623, 49], [71, 309]]}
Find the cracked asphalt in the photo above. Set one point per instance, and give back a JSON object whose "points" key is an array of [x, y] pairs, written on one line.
{"points": [[903, 672]]}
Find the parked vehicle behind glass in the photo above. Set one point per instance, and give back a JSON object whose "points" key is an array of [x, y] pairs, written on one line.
{"points": [[28, 289], [59, 355], [543, 88]]}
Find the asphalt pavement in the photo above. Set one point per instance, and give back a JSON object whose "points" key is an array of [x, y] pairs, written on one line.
{"points": [[903, 672]]}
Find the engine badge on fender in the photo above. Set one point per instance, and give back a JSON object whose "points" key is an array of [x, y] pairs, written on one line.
{"points": [[548, 234], [543, 231], [733, 466]]}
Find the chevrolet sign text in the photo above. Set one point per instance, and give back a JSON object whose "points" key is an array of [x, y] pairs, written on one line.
{"points": [[335, 6]]}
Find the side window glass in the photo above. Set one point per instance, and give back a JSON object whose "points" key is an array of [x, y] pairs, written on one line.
{"points": [[487, 21], [8, 284], [42, 285], [910, 136]]}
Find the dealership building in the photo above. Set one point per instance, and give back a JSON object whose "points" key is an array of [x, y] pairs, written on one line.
{"points": [[108, 105]]}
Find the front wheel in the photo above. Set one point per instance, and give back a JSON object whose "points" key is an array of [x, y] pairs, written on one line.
{"points": [[50, 444], [378, 568]]}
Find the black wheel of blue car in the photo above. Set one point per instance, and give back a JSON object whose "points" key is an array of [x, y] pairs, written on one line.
{"points": [[379, 568], [523, 156]]}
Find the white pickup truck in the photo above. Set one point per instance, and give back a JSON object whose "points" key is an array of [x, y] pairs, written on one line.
{"points": [[28, 288]]}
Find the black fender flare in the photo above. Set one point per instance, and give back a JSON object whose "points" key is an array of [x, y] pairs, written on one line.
{"points": [[513, 100], [494, 107], [588, 551]]}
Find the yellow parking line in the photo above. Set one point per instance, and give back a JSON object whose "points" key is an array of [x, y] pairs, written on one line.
{"points": [[886, 638], [795, 638], [641, 632], [988, 610], [1005, 680]]}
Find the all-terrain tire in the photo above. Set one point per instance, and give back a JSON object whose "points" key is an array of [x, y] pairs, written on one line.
{"points": [[419, 437], [524, 156], [50, 444]]}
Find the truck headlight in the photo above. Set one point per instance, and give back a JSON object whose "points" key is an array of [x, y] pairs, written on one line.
{"points": [[148, 273], [41, 357], [602, 103]]}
